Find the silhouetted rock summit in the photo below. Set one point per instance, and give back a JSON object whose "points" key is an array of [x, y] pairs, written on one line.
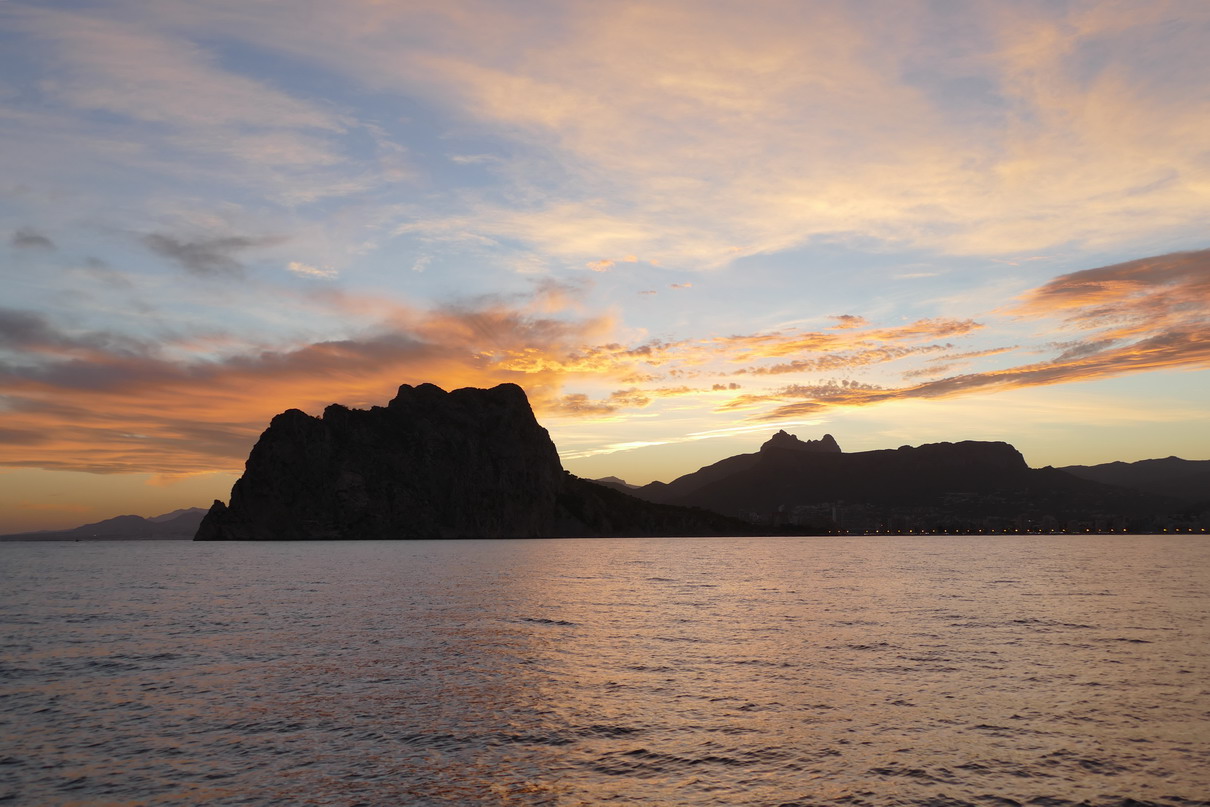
{"points": [[788, 442], [471, 463], [615, 483]]}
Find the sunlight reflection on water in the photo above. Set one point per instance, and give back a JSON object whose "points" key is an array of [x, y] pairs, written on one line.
{"points": [[879, 671]]}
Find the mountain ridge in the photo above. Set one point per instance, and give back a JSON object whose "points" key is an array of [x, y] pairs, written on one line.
{"points": [[964, 485]]}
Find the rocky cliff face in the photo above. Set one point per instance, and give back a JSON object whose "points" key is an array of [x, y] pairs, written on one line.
{"points": [[470, 463]]}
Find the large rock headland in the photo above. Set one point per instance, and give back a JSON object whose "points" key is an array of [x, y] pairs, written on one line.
{"points": [[471, 463]]}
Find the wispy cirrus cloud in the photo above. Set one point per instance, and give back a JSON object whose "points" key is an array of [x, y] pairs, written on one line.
{"points": [[127, 111], [743, 134], [133, 69], [722, 145]]}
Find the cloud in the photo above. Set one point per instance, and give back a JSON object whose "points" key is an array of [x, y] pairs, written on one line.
{"points": [[600, 266], [842, 347], [1135, 297], [1171, 350], [633, 397], [132, 69], [130, 121], [20, 437], [974, 354], [931, 371], [1080, 349], [578, 404], [306, 270], [29, 238], [681, 286], [205, 257], [619, 401], [745, 134], [849, 321], [26, 329], [1139, 316], [28, 332], [100, 271], [847, 360]]}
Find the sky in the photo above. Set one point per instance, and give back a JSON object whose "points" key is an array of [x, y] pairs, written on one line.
{"points": [[679, 226]]}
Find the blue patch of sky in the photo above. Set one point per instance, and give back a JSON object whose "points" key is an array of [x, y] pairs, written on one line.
{"points": [[19, 68], [968, 100], [437, 272], [423, 128]]}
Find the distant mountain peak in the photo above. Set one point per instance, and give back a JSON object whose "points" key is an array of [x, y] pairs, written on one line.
{"points": [[184, 511], [789, 442], [613, 481]]}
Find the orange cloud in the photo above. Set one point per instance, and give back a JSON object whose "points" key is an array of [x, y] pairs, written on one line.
{"points": [[1136, 297], [1148, 314], [1171, 350], [579, 404], [871, 345], [849, 321], [838, 361], [96, 402]]}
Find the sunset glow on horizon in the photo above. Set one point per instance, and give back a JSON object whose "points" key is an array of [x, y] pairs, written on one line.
{"points": [[678, 226]]}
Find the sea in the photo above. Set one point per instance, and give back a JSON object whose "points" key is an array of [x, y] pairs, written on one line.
{"points": [[930, 670]]}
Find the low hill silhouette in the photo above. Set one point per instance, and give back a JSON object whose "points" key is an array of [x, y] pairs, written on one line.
{"points": [[174, 526]]}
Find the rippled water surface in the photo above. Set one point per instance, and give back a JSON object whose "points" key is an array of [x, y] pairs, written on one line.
{"points": [[859, 671]]}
